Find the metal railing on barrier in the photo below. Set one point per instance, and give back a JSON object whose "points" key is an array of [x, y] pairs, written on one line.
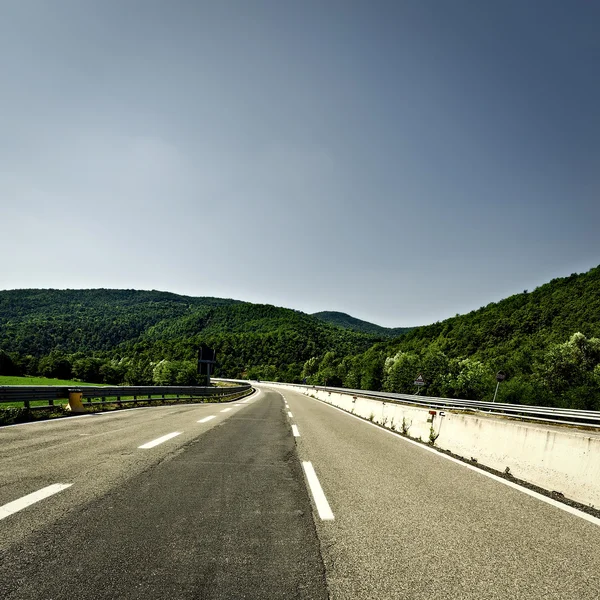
{"points": [[110, 394], [537, 413], [546, 414]]}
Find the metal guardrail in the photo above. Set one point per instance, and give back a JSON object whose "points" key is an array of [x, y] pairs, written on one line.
{"points": [[116, 394], [568, 416], [544, 414]]}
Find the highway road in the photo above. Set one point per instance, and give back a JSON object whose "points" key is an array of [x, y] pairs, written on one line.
{"points": [[278, 496]]}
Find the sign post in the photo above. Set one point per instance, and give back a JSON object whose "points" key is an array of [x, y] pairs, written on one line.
{"points": [[207, 357], [500, 376], [419, 382]]}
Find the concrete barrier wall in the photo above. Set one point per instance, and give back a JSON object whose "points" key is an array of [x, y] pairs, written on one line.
{"points": [[562, 459]]}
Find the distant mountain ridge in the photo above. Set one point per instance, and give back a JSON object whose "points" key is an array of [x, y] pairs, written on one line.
{"points": [[346, 321]]}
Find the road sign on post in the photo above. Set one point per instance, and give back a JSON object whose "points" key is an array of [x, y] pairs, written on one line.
{"points": [[500, 376], [207, 357], [419, 380]]}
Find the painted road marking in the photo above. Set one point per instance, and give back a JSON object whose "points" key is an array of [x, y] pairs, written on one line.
{"points": [[295, 431], [252, 396], [226, 410], [317, 492], [160, 440], [206, 419], [290, 415], [516, 486], [238, 405], [25, 501]]}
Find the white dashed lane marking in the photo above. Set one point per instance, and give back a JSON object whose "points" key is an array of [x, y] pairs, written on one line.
{"points": [[25, 501], [316, 490], [159, 440]]}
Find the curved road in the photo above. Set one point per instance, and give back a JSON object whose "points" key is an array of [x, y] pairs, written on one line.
{"points": [[280, 496]]}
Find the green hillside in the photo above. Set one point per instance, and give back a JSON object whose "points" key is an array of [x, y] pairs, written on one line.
{"points": [[547, 342], [38, 321], [119, 336], [348, 322]]}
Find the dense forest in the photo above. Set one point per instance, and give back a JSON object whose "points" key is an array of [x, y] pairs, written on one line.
{"points": [[348, 322], [547, 342], [139, 337]]}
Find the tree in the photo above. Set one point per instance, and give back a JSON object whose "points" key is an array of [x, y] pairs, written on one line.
{"points": [[56, 364], [165, 372], [570, 364], [311, 366], [88, 369], [138, 372], [7, 365], [187, 373], [112, 372], [327, 373], [400, 371], [469, 379]]}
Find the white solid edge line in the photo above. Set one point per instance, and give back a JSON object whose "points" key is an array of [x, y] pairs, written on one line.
{"points": [[316, 490], [516, 486], [206, 419], [159, 440], [25, 501], [226, 409], [295, 431], [252, 396], [290, 415]]}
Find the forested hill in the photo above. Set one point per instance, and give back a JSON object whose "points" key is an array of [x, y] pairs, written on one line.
{"points": [[348, 322], [547, 341], [118, 336], [38, 321]]}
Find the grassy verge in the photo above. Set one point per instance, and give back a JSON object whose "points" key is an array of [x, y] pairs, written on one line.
{"points": [[10, 380]]}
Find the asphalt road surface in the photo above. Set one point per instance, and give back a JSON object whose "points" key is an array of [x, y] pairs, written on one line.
{"points": [[281, 496]]}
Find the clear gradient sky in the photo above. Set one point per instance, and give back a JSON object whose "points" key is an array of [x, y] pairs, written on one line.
{"points": [[401, 161]]}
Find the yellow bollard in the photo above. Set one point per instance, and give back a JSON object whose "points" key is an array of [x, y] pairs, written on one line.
{"points": [[75, 404]]}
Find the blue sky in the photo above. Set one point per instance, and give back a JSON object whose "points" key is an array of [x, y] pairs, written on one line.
{"points": [[399, 161]]}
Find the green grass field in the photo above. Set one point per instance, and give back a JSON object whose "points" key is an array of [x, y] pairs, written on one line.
{"points": [[9, 380]]}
